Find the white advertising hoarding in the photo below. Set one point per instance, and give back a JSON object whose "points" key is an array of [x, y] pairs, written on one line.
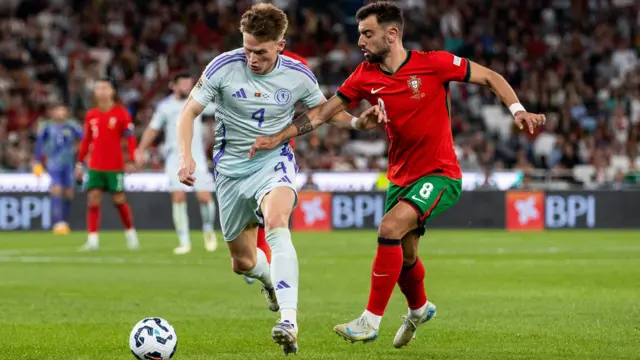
{"points": [[326, 181]]}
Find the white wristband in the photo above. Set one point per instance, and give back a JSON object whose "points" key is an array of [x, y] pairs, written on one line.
{"points": [[514, 108], [354, 123]]}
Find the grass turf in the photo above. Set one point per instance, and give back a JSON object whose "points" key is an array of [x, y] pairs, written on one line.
{"points": [[552, 295]]}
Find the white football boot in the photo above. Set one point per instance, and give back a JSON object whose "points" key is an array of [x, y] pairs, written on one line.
{"points": [[407, 331]]}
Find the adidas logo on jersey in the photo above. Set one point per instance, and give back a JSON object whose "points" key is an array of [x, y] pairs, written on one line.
{"points": [[240, 94]]}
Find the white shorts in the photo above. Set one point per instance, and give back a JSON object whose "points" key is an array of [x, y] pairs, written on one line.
{"points": [[239, 199], [204, 179]]}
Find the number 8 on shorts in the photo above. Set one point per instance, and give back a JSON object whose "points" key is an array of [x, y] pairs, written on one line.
{"points": [[429, 196]]}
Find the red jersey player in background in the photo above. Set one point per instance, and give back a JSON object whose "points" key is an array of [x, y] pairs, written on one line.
{"points": [[410, 88], [104, 127], [262, 238]]}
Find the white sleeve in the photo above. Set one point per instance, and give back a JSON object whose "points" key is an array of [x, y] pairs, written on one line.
{"points": [[159, 119], [311, 96], [209, 84]]}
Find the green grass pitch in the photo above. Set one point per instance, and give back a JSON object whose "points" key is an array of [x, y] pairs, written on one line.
{"points": [[551, 295]]}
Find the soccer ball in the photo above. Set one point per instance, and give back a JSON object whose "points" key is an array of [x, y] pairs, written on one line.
{"points": [[153, 339]]}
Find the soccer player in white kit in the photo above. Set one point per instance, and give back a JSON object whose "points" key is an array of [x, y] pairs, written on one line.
{"points": [[165, 119], [255, 91]]}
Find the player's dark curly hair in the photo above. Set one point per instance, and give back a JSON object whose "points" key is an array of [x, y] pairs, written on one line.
{"points": [[386, 12], [265, 22]]}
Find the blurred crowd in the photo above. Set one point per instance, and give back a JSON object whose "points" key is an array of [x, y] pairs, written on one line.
{"points": [[575, 61]]}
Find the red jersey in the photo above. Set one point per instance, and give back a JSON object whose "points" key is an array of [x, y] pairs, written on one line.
{"points": [[295, 57], [302, 60], [416, 101], [103, 131]]}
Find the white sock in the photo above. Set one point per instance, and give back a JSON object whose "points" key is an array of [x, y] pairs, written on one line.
{"points": [[418, 313], [289, 315], [181, 223], [208, 213], [132, 237], [284, 268], [92, 240], [374, 319], [261, 271]]}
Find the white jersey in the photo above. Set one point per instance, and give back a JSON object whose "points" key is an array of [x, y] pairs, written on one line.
{"points": [[249, 105], [165, 118]]}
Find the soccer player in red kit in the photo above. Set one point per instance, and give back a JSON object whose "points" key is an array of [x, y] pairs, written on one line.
{"points": [[104, 127], [410, 89]]}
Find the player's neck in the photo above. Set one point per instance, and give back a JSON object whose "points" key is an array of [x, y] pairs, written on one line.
{"points": [[396, 58], [106, 106], [269, 69]]}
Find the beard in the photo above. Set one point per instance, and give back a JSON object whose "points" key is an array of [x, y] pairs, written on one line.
{"points": [[377, 57], [182, 95]]}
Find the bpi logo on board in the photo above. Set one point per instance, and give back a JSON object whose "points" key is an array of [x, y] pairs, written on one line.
{"points": [[313, 212], [525, 210], [25, 212]]}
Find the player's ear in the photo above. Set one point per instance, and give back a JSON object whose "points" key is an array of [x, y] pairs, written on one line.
{"points": [[281, 45], [392, 34]]}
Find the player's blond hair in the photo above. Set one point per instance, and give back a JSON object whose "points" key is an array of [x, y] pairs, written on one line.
{"points": [[265, 22]]}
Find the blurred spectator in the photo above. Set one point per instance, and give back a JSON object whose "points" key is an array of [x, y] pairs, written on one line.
{"points": [[310, 185]]}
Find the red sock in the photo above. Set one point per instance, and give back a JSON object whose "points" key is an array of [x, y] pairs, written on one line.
{"points": [[262, 244], [125, 215], [411, 283], [384, 275], [93, 218]]}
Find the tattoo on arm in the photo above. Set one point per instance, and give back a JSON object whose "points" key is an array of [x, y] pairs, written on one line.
{"points": [[303, 124]]}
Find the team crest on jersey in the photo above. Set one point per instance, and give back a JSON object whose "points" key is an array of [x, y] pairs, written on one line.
{"points": [[66, 132], [414, 83], [112, 122], [283, 97]]}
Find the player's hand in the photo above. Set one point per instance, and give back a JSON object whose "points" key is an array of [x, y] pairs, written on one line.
{"points": [[187, 168], [78, 172], [139, 158], [371, 118], [530, 120], [264, 143]]}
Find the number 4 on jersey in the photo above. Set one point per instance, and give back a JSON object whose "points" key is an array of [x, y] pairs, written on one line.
{"points": [[258, 115]]}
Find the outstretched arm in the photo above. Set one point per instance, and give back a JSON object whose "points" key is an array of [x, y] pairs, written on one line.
{"points": [[484, 76], [329, 111]]}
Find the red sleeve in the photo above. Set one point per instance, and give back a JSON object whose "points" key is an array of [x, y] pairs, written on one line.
{"points": [[296, 56], [86, 139], [127, 131], [351, 91], [450, 67]]}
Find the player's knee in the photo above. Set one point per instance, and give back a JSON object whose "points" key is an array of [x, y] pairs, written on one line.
{"points": [[389, 229], [178, 197], [119, 198], [94, 198], [275, 221], [56, 190], [242, 264], [68, 193], [203, 197]]}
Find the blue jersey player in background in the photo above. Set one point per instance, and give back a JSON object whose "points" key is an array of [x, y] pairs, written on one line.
{"points": [[56, 147]]}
